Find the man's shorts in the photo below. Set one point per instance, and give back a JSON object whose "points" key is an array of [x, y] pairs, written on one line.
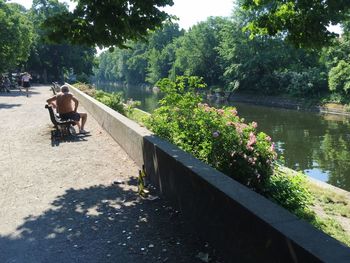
{"points": [[70, 116], [26, 84]]}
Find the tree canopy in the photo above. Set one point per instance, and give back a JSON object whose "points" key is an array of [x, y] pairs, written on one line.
{"points": [[107, 23], [16, 36], [302, 22], [53, 61]]}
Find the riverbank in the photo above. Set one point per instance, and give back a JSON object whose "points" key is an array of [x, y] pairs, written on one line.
{"points": [[331, 206], [290, 103]]}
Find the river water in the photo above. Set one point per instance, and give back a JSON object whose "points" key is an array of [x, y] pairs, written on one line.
{"points": [[316, 144]]}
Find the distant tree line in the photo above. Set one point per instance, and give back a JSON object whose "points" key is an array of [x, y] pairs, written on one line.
{"points": [[228, 57]]}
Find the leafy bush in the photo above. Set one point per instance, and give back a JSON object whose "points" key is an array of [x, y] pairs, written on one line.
{"points": [[290, 191], [216, 136], [130, 105], [83, 77], [339, 78], [113, 100], [308, 82]]}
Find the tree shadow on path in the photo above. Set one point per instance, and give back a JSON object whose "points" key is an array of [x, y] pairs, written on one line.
{"points": [[8, 106], [17, 93], [104, 224]]}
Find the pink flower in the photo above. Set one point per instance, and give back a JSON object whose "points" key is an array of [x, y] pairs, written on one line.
{"points": [[268, 138], [230, 123], [216, 134], [254, 125], [220, 111], [252, 139], [272, 148], [233, 112], [249, 148], [240, 127]]}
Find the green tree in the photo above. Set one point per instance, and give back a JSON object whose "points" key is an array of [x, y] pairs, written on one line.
{"points": [[137, 64], [339, 77], [107, 23], [161, 52], [197, 52], [53, 61], [266, 64], [16, 35], [303, 23], [142, 61]]}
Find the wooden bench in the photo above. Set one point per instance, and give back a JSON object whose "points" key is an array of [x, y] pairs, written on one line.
{"points": [[55, 88], [64, 127]]}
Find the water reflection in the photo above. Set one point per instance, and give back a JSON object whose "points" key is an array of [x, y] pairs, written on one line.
{"points": [[316, 144], [313, 143]]}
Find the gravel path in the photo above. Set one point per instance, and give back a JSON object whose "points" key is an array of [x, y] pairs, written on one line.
{"points": [[59, 204]]}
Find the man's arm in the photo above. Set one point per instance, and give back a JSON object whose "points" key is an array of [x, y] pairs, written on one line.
{"points": [[76, 103], [52, 99]]}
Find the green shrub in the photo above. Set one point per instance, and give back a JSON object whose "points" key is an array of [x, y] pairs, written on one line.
{"points": [[130, 106], [339, 78], [290, 191], [216, 136], [308, 82], [113, 100]]}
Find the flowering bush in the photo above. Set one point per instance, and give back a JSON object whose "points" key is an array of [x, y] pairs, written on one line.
{"points": [[216, 136]]}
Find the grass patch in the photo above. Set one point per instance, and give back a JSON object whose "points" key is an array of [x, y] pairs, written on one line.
{"points": [[138, 116], [329, 210], [333, 228], [333, 203]]}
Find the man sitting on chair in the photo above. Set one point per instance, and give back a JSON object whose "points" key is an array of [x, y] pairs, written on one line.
{"points": [[63, 101]]}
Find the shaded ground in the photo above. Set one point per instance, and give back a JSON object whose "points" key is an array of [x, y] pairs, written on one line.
{"points": [[59, 203]]}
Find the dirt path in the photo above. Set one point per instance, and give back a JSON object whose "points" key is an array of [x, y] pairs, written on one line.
{"points": [[59, 204]]}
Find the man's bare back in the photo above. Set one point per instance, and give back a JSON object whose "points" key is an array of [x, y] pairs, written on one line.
{"points": [[64, 102]]}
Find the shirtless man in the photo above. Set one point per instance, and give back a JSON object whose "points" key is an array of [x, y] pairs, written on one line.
{"points": [[64, 106]]}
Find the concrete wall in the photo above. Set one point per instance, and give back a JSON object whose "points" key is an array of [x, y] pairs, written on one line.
{"points": [[245, 226]]}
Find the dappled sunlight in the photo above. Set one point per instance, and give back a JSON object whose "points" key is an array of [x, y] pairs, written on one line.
{"points": [[103, 224]]}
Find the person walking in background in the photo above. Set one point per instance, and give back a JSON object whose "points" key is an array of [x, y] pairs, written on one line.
{"points": [[26, 77]]}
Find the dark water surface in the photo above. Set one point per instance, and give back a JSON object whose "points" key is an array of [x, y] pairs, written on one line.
{"points": [[317, 144]]}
